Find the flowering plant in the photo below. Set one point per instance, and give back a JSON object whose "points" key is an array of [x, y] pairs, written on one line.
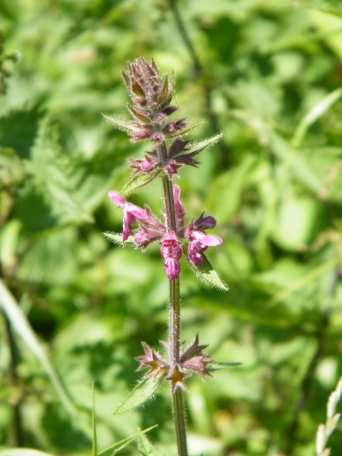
{"points": [[151, 111]]}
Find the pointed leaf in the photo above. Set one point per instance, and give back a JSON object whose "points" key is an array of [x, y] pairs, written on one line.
{"points": [[138, 180], [118, 446], [93, 418], [116, 238], [197, 148], [23, 452], [23, 328], [318, 110], [209, 276], [144, 390], [123, 125]]}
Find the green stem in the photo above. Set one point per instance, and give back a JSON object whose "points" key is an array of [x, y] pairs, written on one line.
{"points": [[174, 323]]}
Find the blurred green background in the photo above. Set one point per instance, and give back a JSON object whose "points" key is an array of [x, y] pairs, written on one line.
{"points": [[268, 74]]}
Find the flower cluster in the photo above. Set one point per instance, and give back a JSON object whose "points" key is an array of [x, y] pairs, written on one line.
{"points": [[146, 228], [192, 361], [151, 109]]}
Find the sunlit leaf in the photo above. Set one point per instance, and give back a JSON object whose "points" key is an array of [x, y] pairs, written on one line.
{"points": [[22, 327], [144, 391], [139, 180], [318, 110], [209, 276]]}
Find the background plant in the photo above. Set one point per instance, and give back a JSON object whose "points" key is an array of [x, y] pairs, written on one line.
{"points": [[270, 74]]}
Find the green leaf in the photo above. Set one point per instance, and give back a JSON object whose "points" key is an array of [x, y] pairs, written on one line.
{"points": [[209, 276], [198, 147], [118, 446], [93, 419], [144, 390], [328, 6], [23, 452], [116, 238], [126, 126], [317, 111], [11, 168], [145, 447], [138, 180], [22, 327]]}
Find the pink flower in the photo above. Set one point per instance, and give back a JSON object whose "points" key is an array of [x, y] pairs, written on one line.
{"points": [[146, 165], [198, 243], [180, 212], [171, 251], [134, 214]]}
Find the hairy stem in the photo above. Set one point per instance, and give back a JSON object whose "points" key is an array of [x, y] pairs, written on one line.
{"points": [[174, 320]]}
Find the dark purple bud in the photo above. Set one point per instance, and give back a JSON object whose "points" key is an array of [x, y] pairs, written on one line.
{"points": [[178, 146], [175, 127], [204, 222], [168, 110]]}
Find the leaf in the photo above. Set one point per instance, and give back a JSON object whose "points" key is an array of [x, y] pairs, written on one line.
{"points": [[23, 452], [318, 110], [22, 327], [145, 447], [69, 185], [116, 238], [138, 180], [144, 390], [198, 147], [209, 276], [126, 126], [118, 446], [93, 419], [328, 6], [11, 168]]}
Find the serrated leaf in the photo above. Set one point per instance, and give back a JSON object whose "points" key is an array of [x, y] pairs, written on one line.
{"points": [[198, 147], [138, 180], [122, 125], [11, 168], [206, 273], [69, 186], [144, 390], [23, 328]]}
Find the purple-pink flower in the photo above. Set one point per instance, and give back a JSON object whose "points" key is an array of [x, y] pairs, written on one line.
{"points": [[198, 240], [147, 228], [171, 252], [133, 214]]}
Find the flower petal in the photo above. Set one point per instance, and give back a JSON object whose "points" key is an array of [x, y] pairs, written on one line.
{"points": [[204, 239], [117, 199]]}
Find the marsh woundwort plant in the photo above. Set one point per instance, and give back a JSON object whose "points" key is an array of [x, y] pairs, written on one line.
{"points": [[169, 150]]}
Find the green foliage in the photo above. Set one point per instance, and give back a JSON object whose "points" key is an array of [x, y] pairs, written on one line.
{"points": [[270, 81]]}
